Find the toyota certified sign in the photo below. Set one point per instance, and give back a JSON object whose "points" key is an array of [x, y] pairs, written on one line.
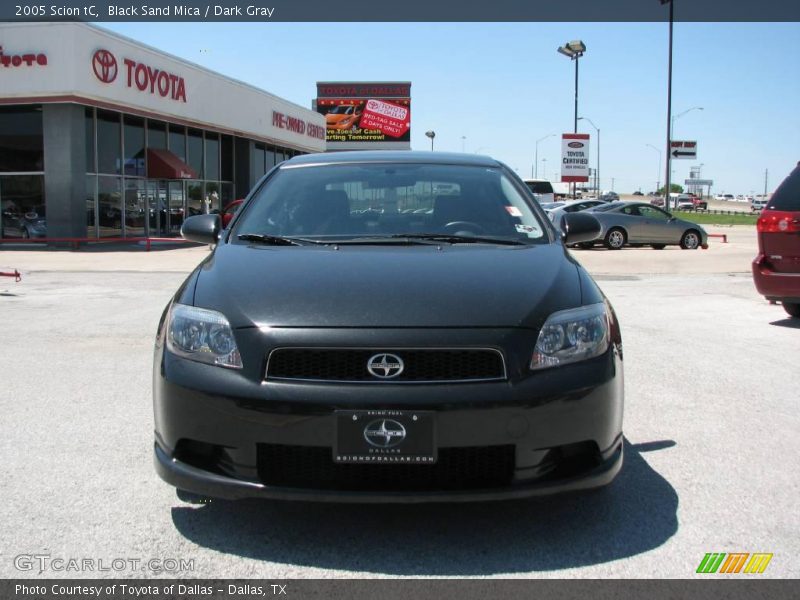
{"points": [[104, 65], [141, 76], [575, 157]]}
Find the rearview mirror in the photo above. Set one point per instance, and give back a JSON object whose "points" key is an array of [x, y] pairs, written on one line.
{"points": [[579, 227], [203, 229]]}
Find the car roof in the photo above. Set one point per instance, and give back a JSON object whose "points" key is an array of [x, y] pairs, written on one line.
{"points": [[391, 156]]}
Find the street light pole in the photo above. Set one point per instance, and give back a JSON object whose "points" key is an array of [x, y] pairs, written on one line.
{"points": [[536, 157], [597, 170], [463, 143], [574, 50], [431, 134], [668, 183], [658, 167], [679, 115]]}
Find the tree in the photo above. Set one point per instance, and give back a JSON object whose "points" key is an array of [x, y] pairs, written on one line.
{"points": [[673, 187]]}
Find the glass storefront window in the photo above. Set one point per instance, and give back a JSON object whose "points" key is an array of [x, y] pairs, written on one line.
{"points": [[21, 139], [211, 197], [258, 160], [194, 202], [108, 142], [195, 151], [134, 146], [226, 194], [270, 158], [226, 155], [109, 206], [177, 141], [91, 222], [23, 206], [156, 135], [89, 126], [212, 156], [135, 207]]}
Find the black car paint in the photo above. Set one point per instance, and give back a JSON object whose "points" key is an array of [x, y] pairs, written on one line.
{"points": [[359, 296]]}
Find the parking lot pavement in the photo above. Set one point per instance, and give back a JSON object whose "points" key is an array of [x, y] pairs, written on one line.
{"points": [[711, 443]]}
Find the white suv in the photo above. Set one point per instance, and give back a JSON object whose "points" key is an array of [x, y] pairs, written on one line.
{"points": [[542, 189]]}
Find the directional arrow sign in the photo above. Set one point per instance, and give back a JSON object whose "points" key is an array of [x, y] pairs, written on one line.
{"points": [[683, 149]]}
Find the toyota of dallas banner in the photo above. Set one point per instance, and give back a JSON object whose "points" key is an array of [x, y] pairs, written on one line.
{"points": [[365, 115]]}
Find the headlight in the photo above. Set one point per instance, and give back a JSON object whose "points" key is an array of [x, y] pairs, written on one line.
{"points": [[572, 335], [202, 335]]}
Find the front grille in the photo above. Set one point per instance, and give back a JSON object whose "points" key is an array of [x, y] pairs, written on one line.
{"points": [[311, 467], [419, 365]]}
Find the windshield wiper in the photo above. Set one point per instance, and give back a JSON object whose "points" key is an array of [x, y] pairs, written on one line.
{"points": [[276, 240], [459, 239]]}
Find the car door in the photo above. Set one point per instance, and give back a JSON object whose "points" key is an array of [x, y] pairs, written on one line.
{"points": [[629, 217], [659, 226]]}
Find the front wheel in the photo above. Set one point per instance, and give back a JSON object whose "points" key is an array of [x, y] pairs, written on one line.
{"points": [[690, 240], [792, 309], [615, 239]]}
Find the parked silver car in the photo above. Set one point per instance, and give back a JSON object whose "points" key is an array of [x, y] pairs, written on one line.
{"points": [[556, 215], [637, 223]]}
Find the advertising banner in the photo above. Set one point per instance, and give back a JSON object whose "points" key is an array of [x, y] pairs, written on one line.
{"points": [[574, 157], [365, 115]]}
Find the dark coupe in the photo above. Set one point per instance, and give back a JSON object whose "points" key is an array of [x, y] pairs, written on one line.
{"points": [[356, 336]]}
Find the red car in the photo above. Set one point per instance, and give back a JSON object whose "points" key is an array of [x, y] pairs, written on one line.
{"points": [[230, 211], [776, 269]]}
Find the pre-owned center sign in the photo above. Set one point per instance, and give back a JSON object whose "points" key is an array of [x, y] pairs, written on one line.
{"points": [[574, 157]]}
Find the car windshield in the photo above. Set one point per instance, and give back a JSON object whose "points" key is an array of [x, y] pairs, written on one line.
{"points": [[342, 110], [380, 200]]}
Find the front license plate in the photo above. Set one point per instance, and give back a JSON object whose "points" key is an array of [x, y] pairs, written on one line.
{"points": [[385, 437]]}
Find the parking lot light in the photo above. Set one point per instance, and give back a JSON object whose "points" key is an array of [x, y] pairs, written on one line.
{"points": [[574, 50], [431, 134]]}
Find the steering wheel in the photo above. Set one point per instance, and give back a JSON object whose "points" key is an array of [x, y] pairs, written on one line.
{"points": [[457, 226]]}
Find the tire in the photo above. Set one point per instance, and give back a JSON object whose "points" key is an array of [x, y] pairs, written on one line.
{"points": [[658, 246], [792, 309], [191, 497], [615, 238], [690, 240]]}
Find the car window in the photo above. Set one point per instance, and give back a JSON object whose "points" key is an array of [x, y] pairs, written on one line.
{"points": [[653, 213], [377, 199], [787, 196], [631, 210]]}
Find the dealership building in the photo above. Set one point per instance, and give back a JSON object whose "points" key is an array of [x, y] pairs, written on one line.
{"points": [[108, 137]]}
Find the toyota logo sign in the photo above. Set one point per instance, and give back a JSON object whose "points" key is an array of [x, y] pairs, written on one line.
{"points": [[575, 144], [105, 66]]}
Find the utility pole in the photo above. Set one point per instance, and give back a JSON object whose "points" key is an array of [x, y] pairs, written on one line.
{"points": [[668, 184], [766, 176]]}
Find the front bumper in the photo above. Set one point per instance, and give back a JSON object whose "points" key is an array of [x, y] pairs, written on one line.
{"points": [[226, 418], [774, 285]]}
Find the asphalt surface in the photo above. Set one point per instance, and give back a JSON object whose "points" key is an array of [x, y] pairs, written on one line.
{"points": [[711, 425]]}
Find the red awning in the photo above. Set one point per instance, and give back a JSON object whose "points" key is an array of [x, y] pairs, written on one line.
{"points": [[163, 164]]}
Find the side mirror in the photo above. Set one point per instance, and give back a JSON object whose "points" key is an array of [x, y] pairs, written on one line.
{"points": [[203, 229], [579, 227]]}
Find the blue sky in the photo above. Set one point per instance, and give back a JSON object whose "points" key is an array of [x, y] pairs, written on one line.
{"points": [[503, 85]]}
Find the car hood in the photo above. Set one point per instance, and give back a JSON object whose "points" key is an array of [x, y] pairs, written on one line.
{"points": [[337, 118], [382, 286]]}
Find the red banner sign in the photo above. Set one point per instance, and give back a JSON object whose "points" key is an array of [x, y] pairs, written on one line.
{"points": [[388, 118]]}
